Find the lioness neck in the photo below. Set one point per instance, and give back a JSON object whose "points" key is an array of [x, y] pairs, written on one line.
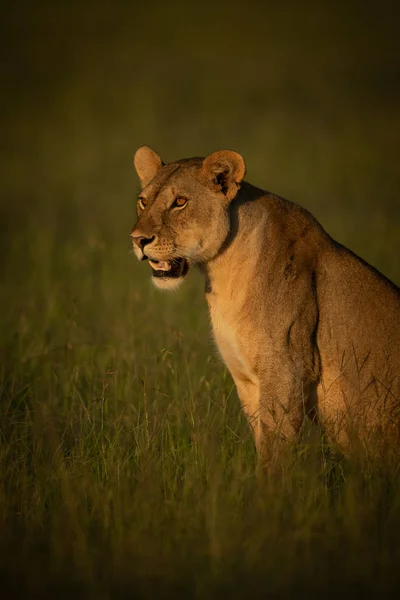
{"points": [[230, 272]]}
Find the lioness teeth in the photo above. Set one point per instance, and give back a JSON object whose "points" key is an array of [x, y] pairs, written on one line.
{"points": [[160, 265]]}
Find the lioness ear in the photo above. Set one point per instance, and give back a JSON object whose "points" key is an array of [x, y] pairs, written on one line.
{"points": [[147, 163], [226, 169]]}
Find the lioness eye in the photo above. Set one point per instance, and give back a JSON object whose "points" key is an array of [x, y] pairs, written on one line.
{"points": [[180, 202], [142, 202]]}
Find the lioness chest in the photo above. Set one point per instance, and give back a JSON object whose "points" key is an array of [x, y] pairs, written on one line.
{"points": [[233, 338]]}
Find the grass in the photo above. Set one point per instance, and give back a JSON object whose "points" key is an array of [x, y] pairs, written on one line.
{"points": [[126, 465]]}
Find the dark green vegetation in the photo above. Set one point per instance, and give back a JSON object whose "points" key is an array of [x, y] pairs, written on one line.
{"points": [[126, 467]]}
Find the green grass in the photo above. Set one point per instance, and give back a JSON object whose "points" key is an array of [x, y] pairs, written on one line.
{"points": [[126, 465]]}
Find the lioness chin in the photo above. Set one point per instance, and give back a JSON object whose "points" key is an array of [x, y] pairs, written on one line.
{"points": [[307, 329]]}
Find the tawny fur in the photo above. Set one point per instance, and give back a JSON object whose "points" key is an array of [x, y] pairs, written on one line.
{"points": [[307, 329]]}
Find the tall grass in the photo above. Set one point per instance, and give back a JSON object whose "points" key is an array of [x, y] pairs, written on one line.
{"points": [[126, 465]]}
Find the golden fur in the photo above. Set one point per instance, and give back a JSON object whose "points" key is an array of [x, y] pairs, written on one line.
{"points": [[306, 327]]}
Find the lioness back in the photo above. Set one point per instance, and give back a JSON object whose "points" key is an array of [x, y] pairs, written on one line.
{"points": [[360, 343]]}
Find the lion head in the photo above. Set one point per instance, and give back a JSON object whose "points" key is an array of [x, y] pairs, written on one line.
{"points": [[183, 215]]}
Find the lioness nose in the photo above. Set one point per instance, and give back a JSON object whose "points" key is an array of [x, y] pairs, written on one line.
{"points": [[142, 240]]}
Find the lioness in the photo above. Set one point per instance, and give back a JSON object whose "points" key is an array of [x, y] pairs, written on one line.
{"points": [[306, 327]]}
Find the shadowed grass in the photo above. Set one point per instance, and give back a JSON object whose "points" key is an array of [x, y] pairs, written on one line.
{"points": [[127, 465]]}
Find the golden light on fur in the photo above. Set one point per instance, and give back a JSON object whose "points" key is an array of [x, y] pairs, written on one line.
{"points": [[308, 330], [226, 169], [147, 163]]}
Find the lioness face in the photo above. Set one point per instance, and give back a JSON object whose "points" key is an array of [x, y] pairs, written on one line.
{"points": [[183, 211]]}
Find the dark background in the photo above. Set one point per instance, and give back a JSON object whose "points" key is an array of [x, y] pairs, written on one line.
{"points": [[307, 91]]}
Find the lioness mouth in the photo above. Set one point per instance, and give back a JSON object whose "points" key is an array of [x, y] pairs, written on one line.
{"points": [[178, 267]]}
